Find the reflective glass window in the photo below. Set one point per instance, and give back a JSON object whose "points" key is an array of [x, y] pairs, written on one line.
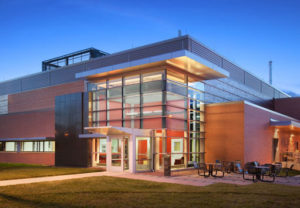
{"points": [[149, 77]]}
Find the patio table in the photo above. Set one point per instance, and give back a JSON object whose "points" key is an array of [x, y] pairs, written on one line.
{"points": [[260, 170], [210, 168]]}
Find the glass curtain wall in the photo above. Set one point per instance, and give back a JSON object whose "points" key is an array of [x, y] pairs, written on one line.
{"points": [[165, 99], [133, 101]]}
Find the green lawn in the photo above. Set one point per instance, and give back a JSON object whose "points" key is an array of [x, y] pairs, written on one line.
{"points": [[117, 192], [14, 171]]}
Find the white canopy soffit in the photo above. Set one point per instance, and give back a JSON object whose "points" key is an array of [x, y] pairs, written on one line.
{"points": [[104, 131], [182, 59]]}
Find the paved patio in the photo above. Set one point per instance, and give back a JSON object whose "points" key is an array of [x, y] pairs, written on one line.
{"points": [[189, 178]]}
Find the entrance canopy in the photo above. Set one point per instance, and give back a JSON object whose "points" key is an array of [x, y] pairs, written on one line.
{"points": [[290, 125], [114, 131]]}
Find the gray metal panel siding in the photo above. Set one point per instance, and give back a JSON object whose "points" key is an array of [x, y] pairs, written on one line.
{"points": [[10, 87], [252, 81], [34, 82], [139, 53], [65, 75], [205, 53], [226, 90], [236, 73], [267, 90]]}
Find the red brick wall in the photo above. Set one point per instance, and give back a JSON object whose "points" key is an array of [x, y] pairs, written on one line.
{"points": [[31, 124], [288, 106], [41, 98], [31, 114], [41, 158]]}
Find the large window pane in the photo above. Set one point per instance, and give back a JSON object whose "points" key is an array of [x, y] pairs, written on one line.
{"points": [[10, 146], [114, 114], [114, 83], [176, 88], [131, 113], [176, 100], [115, 123], [197, 85], [115, 152], [133, 123], [114, 92], [114, 103], [143, 153], [195, 94], [99, 95], [49, 146], [152, 86], [2, 146], [97, 86], [131, 101], [152, 123], [173, 112], [149, 77], [176, 124], [132, 80], [27, 146], [152, 111], [132, 89], [152, 99]]}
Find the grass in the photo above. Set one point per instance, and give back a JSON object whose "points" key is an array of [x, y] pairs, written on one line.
{"points": [[16, 171], [291, 173], [117, 192]]}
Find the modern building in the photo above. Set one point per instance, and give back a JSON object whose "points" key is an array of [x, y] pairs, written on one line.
{"points": [[127, 110]]}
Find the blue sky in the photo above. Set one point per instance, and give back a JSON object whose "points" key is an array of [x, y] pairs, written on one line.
{"points": [[247, 32]]}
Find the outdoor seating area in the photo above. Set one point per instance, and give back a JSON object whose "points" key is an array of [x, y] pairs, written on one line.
{"points": [[252, 171]]}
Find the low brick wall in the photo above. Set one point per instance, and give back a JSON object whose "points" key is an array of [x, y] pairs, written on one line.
{"points": [[41, 158]]}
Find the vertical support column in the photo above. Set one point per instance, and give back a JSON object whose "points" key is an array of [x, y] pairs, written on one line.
{"points": [[108, 154], [122, 153], [185, 150], [132, 153], [156, 159]]}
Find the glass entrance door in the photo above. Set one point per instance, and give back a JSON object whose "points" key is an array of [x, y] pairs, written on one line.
{"points": [[99, 152], [119, 154], [116, 152], [143, 153]]}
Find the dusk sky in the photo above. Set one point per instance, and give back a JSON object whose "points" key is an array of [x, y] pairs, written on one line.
{"points": [[249, 33]]}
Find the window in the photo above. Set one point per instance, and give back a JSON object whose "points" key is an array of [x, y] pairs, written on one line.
{"points": [[154, 76], [176, 146], [152, 99], [115, 152], [11, 146], [132, 80], [115, 83], [38, 146], [2, 146], [97, 86]]}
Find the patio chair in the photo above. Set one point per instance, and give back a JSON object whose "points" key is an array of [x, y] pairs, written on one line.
{"points": [[272, 172], [238, 168], [287, 170], [201, 167], [250, 169], [228, 166], [219, 167]]}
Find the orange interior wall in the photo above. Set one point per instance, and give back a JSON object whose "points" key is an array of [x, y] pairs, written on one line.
{"points": [[224, 132]]}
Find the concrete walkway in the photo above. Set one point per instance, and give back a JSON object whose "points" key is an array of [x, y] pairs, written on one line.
{"points": [[193, 180]]}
